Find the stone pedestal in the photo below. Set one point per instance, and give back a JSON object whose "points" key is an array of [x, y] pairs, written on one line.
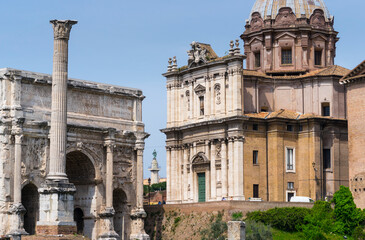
{"points": [[108, 225], [236, 230], [56, 208], [138, 232], [16, 213]]}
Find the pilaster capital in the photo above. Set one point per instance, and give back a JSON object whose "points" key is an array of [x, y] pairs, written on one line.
{"points": [[230, 139], [62, 28]]}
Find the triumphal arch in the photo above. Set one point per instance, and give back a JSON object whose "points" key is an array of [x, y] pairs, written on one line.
{"points": [[71, 153]]}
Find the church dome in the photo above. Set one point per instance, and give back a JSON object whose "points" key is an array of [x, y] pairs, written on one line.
{"points": [[301, 8]]}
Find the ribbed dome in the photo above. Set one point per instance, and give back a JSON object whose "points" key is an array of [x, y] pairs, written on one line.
{"points": [[270, 8]]}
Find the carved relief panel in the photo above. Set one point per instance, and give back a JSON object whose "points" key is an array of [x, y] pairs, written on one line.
{"points": [[123, 163]]}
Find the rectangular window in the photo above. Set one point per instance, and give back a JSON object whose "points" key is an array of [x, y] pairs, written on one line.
{"points": [[290, 185], [326, 158], [255, 191], [255, 157], [300, 128], [264, 109], [289, 128], [326, 111], [255, 127], [286, 56], [318, 57], [201, 100], [290, 159], [257, 59]]}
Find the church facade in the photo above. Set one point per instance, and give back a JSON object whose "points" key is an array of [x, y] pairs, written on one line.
{"points": [[274, 130], [96, 187]]}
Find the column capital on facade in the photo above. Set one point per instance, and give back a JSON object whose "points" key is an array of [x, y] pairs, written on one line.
{"points": [[62, 28], [231, 139], [222, 140]]}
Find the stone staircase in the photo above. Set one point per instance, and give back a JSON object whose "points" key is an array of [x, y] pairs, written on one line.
{"points": [[61, 237]]}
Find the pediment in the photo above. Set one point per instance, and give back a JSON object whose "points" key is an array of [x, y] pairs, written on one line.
{"points": [[199, 158], [318, 35], [286, 34], [200, 90], [259, 39]]}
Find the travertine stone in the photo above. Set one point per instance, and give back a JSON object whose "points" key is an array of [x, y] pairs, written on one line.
{"points": [[236, 230]]}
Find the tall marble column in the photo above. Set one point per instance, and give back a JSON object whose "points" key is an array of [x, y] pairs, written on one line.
{"points": [[231, 168], [168, 174], [57, 165], [56, 196], [224, 168], [191, 179], [17, 209], [138, 214], [108, 214], [185, 173], [213, 180], [238, 169]]}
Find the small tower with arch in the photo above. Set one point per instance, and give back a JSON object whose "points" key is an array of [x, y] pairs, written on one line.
{"points": [[154, 169]]}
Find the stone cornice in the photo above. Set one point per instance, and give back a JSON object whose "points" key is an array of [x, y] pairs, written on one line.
{"points": [[205, 123], [41, 78]]}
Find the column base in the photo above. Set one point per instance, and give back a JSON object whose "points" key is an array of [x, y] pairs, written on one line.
{"points": [[56, 207], [138, 233], [108, 225], [17, 212], [239, 198]]}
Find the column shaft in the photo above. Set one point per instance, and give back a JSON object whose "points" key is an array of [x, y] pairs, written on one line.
{"points": [[140, 178], [17, 169], [224, 169], [213, 179], [57, 167], [168, 173], [109, 175], [231, 168], [185, 175], [191, 197]]}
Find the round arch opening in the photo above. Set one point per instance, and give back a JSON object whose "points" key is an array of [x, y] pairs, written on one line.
{"points": [[30, 200]]}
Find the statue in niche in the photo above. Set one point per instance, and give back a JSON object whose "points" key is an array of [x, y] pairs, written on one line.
{"points": [[217, 89]]}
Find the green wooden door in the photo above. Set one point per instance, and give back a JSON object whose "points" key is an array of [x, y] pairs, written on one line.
{"points": [[201, 184]]}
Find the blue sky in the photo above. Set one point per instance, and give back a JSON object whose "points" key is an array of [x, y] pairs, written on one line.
{"points": [[128, 43]]}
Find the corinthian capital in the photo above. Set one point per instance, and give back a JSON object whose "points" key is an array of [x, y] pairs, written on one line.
{"points": [[62, 28]]}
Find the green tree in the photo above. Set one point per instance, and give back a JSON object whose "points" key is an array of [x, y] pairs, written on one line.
{"points": [[347, 216]]}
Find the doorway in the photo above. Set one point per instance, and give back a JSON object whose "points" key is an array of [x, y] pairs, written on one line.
{"points": [[30, 200], [122, 216], [201, 187], [79, 219]]}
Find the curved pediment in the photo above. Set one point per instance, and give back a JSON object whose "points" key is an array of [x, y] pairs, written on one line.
{"points": [[199, 158]]}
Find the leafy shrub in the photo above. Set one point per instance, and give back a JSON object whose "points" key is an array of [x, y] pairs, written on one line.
{"points": [[237, 216], [286, 219], [257, 231], [321, 218], [216, 231], [347, 216], [359, 233]]}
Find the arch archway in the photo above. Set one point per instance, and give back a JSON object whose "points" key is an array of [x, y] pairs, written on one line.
{"points": [[79, 219], [30, 200], [81, 172], [122, 215], [201, 184]]}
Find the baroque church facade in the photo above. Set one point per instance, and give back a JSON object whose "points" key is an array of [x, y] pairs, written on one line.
{"points": [[270, 131], [70, 164]]}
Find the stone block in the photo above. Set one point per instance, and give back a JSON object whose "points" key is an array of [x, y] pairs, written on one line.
{"points": [[236, 230]]}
